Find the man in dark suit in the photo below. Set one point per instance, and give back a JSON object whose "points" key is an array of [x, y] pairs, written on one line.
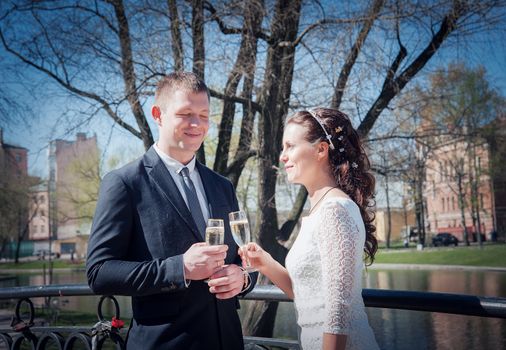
{"points": [[148, 232]]}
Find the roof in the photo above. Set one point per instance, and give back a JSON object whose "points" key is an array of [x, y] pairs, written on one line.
{"points": [[6, 145]]}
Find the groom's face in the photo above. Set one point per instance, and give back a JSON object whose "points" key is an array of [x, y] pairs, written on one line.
{"points": [[184, 123]]}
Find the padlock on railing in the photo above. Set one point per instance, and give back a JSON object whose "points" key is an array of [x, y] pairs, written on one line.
{"points": [[21, 326], [104, 329]]}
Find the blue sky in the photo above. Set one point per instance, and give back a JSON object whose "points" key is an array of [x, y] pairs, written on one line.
{"points": [[42, 120]]}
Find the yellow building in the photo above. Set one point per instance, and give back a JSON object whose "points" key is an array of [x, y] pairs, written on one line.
{"points": [[399, 218]]}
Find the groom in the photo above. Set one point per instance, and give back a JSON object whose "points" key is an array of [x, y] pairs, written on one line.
{"points": [[148, 231]]}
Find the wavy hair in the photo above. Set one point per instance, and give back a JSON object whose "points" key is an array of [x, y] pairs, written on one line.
{"points": [[349, 163]]}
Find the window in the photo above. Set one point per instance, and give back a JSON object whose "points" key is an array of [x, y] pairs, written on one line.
{"points": [[34, 228], [443, 204], [42, 212], [68, 248]]}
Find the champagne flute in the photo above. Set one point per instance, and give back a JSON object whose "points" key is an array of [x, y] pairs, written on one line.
{"points": [[241, 233], [215, 233]]}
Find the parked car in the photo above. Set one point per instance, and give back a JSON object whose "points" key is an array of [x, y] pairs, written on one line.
{"points": [[444, 239], [42, 254]]}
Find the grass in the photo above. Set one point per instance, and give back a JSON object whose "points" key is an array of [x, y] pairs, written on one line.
{"points": [[488, 255], [39, 264]]}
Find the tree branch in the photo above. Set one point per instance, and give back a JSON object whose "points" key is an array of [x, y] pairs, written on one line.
{"points": [[128, 70], [73, 89], [244, 101], [392, 87], [294, 215], [353, 54], [228, 30]]}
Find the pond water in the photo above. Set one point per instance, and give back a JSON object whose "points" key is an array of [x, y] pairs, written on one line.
{"points": [[394, 329]]}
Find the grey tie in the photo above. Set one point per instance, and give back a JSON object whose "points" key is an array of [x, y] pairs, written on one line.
{"points": [[193, 201]]}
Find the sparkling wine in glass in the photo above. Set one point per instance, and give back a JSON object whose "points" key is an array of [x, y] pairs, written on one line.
{"points": [[240, 232], [215, 232]]}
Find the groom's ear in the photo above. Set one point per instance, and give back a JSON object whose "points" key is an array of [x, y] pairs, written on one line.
{"points": [[157, 114]]}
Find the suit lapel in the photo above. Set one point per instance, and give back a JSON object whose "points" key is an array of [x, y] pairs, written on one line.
{"points": [[163, 180], [211, 190]]}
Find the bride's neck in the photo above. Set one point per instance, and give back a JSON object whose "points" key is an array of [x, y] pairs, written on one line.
{"points": [[318, 188]]}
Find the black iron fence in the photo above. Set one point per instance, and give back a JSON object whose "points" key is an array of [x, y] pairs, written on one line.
{"points": [[22, 333]]}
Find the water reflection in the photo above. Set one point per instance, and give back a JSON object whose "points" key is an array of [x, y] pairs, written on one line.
{"points": [[394, 329]]}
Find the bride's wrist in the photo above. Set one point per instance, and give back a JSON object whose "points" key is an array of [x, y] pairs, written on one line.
{"points": [[267, 265]]}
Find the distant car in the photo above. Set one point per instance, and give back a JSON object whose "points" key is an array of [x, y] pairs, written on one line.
{"points": [[444, 239], [43, 253]]}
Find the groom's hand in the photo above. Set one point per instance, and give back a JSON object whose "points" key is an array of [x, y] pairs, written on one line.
{"points": [[202, 260], [228, 282]]}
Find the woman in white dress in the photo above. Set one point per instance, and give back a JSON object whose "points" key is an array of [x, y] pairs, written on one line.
{"points": [[323, 274]]}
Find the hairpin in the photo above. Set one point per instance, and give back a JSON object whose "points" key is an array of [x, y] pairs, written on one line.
{"points": [[327, 135], [340, 138], [338, 129], [341, 149], [354, 165]]}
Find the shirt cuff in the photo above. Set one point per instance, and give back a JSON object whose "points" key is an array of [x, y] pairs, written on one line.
{"points": [[186, 281]]}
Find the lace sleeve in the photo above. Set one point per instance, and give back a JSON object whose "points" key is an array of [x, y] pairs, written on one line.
{"points": [[338, 237]]}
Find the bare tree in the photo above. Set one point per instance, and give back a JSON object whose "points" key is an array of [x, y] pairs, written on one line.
{"points": [[285, 54]]}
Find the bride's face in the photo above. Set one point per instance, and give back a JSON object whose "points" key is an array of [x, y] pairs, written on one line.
{"points": [[299, 156]]}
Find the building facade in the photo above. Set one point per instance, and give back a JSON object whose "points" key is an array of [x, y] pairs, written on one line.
{"points": [[402, 220], [13, 159], [39, 213], [14, 198], [459, 189], [70, 163]]}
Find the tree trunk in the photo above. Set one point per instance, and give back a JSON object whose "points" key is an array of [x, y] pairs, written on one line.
{"points": [[462, 207], [389, 214], [199, 54], [177, 45], [244, 66], [274, 97], [129, 77], [353, 54]]}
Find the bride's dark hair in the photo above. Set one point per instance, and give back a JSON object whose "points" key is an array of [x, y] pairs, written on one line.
{"points": [[349, 163]]}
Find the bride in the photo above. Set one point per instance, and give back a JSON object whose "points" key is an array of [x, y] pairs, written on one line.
{"points": [[323, 274]]}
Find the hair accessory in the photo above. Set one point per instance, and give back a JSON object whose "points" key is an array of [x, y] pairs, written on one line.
{"points": [[340, 138], [354, 165], [341, 149], [339, 129], [327, 135]]}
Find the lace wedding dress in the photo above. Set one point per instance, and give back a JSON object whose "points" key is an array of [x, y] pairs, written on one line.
{"points": [[325, 265]]}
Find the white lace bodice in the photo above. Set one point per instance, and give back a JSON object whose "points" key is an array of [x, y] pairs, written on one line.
{"points": [[325, 265]]}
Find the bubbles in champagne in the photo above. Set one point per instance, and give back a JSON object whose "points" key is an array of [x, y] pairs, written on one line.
{"points": [[215, 235]]}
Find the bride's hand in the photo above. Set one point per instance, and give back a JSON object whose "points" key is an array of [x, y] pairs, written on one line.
{"points": [[255, 255]]}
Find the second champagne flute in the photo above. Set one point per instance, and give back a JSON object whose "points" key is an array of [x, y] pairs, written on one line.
{"points": [[240, 231], [215, 233]]}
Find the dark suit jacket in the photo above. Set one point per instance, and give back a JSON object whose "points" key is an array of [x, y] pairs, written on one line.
{"points": [[140, 231]]}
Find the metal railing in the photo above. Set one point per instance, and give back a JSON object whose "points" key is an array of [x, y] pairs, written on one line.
{"points": [[23, 331]]}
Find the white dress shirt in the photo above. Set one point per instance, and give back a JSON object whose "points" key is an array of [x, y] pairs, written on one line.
{"points": [[174, 167]]}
